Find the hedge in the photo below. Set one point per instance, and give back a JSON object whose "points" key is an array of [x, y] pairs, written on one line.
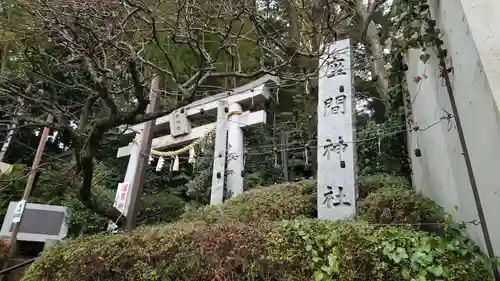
{"points": [[268, 234], [292, 250], [4, 250], [370, 183], [275, 202], [390, 201], [397, 206]]}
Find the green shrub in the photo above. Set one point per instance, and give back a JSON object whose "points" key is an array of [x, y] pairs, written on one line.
{"points": [[242, 239], [4, 250], [398, 206], [371, 183], [391, 201], [282, 201], [133, 256], [161, 207], [229, 251], [294, 250], [358, 251], [275, 202]]}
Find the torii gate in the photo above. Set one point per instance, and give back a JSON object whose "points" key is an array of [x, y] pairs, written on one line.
{"points": [[231, 119]]}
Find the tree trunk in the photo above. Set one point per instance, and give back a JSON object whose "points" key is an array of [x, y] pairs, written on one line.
{"points": [[311, 86], [377, 51]]}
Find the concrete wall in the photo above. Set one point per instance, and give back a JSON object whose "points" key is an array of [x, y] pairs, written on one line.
{"points": [[471, 32]]}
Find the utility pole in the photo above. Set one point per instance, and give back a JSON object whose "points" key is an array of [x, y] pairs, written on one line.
{"points": [[142, 161], [29, 185]]}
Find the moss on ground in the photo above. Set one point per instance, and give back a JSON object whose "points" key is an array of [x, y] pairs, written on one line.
{"points": [[265, 234]]}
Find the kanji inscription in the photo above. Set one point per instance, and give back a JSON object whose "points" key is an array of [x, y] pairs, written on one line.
{"points": [[336, 134], [335, 197], [335, 105], [335, 66]]}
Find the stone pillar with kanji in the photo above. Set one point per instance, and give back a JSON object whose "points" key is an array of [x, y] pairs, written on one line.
{"points": [[336, 134]]}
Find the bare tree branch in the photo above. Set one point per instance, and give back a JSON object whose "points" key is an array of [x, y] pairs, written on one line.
{"points": [[91, 61]]}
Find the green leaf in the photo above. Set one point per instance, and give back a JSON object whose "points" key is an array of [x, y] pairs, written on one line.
{"points": [[405, 273], [329, 242], [416, 256], [436, 270], [318, 276], [419, 278], [397, 258], [327, 269]]}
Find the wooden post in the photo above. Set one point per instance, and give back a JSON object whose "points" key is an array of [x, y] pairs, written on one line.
{"points": [[336, 134], [284, 155], [131, 172], [142, 160], [16, 224], [217, 190], [235, 163]]}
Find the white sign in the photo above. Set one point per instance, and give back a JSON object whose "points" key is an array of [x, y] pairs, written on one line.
{"points": [[336, 134], [18, 211], [179, 124], [40, 222], [121, 197]]}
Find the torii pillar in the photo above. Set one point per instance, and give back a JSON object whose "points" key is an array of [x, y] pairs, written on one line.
{"points": [[235, 151]]}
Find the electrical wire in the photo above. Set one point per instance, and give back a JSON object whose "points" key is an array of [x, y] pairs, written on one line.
{"points": [[270, 149], [358, 133]]}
